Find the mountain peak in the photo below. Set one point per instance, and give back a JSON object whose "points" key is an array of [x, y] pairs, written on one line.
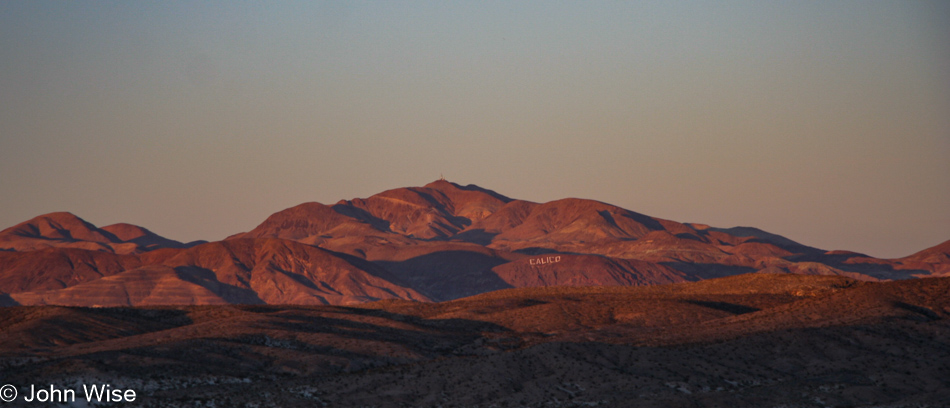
{"points": [[67, 230], [441, 181], [127, 232], [60, 226], [935, 254], [141, 236], [444, 240], [64, 218], [446, 186]]}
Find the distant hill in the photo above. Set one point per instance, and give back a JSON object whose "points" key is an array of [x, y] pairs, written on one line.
{"points": [[65, 230], [145, 239]]}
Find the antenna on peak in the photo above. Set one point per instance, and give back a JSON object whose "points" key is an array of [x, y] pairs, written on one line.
{"points": [[441, 177]]}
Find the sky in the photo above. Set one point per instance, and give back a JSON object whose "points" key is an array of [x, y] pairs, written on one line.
{"points": [[825, 122]]}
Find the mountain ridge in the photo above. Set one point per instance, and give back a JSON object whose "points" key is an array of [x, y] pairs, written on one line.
{"points": [[437, 242]]}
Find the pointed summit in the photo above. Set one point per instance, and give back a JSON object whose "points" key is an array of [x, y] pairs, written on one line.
{"points": [[438, 210], [446, 186]]}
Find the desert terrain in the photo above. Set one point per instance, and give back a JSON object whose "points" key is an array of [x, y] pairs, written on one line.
{"points": [[457, 296], [755, 340]]}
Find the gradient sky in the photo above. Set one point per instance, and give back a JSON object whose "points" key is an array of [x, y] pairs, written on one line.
{"points": [[825, 122]]}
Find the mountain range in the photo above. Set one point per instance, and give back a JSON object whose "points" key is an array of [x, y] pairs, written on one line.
{"points": [[439, 242]]}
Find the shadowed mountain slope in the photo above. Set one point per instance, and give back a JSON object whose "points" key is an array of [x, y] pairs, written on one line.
{"points": [[245, 271], [287, 272], [144, 286], [57, 268], [586, 270], [144, 238]]}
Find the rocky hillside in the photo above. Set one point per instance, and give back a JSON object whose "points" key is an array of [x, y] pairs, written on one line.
{"points": [[438, 242]]}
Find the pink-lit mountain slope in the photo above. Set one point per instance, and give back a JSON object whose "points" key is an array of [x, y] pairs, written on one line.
{"points": [[65, 230], [441, 241], [448, 241]]}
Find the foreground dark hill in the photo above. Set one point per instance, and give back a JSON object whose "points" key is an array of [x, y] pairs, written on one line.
{"points": [[745, 341], [442, 241]]}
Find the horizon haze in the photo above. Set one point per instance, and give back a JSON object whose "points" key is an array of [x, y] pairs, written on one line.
{"points": [[825, 123]]}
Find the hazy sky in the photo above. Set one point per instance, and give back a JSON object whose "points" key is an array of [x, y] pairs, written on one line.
{"points": [[825, 122]]}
